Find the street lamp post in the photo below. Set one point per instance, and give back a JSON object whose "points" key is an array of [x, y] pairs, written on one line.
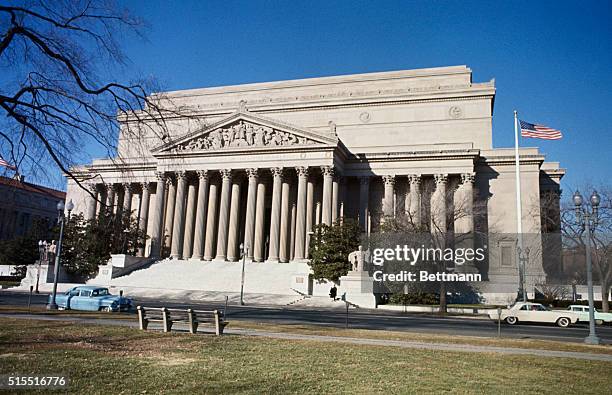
{"points": [[523, 256], [60, 218], [587, 219], [243, 250]]}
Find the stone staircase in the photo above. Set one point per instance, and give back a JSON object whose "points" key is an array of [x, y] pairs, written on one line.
{"points": [[214, 276]]}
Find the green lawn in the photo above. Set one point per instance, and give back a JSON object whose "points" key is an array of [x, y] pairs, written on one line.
{"points": [[120, 360]]}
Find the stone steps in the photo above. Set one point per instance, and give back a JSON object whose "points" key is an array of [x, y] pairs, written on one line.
{"points": [[216, 276]]}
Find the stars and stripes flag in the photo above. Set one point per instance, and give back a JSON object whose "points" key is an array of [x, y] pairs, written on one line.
{"points": [[6, 164], [539, 131]]}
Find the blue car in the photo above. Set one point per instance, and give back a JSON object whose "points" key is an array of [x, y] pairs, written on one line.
{"points": [[91, 298]]}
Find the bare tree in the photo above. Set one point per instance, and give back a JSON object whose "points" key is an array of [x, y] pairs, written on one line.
{"points": [[436, 226], [56, 96], [551, 291], [601, 240]]}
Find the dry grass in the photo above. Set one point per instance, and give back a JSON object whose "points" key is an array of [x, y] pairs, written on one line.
{"points": [[425, 337], [123, 360]]}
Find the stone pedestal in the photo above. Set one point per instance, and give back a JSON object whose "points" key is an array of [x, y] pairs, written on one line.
{"points": [[118, 265], [44, 273], [359, 289]]}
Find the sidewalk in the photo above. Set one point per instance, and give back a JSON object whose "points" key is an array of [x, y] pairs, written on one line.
{"points": [[349, 340]]}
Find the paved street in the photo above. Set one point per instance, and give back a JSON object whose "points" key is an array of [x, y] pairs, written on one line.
{"points": [[365, 319]]}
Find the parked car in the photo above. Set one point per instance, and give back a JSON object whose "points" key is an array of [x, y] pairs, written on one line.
{"points": [[583, 314], [535, 312], [91, 298]]}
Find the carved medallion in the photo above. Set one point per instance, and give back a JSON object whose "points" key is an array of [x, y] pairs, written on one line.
{"points": [[455, 112], [365, 117]]}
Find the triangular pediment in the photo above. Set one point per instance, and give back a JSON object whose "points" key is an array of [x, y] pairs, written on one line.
{"points": [[245, 131]]}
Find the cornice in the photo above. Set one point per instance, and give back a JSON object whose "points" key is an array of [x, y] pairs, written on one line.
{"points": [[414, 155], [297, 106], [509, 160], [245, 151]]}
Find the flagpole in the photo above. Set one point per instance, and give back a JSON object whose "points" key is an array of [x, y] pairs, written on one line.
{"points": [[519, 212]]}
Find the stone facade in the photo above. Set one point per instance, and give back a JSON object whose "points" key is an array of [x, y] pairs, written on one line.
{"points": [[24, 203], [261, 164]]}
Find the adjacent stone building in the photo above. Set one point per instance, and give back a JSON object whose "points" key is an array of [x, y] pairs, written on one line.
{"points": [[260, 164], [22, 203]]}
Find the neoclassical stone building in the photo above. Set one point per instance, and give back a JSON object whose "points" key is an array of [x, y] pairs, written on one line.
{"points": [[260, 164]]}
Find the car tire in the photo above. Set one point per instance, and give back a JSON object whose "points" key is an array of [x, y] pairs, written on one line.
{"points": [[107, 309], [564, 322], [511, 320], [599, 322], [61, 308]]}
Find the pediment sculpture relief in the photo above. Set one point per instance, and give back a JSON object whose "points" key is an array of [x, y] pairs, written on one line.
{"points": [[243, 134]]}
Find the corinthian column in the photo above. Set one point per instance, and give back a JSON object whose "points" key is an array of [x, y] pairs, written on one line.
{"points": [[258, 247], [198, 244], [170, 206], [92, 201], [415, 200], [277, 174], [179, 216], [285, 220], [127, 198], [144, 214], [389, 193], [189, 221], [226, 192], [464, 201], [110, 196], [328, 175], [464, 220], [438, 204], [364, 201], [156, 230], [211, 222], [234, 226], [309, 212], [300, 226], [249, 227], [335, 198]]}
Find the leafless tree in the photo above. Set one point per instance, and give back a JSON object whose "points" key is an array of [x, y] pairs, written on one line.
{"points": [[552, 291], [435, 227], [601, 239], [56, 96]]}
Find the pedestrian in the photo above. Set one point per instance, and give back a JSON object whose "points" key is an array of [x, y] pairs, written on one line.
{"points": [[333, 292]]}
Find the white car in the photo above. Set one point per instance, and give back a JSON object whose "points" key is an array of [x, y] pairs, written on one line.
{"points": [[583, 314], [535, 312]]}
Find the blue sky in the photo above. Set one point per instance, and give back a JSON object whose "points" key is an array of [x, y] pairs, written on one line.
{"points": [[552, 60]]}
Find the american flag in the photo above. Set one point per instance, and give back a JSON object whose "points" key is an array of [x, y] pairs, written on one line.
{"points": [[6, 164], [539, 131]]}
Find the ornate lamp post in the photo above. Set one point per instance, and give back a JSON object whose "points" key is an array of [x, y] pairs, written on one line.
{"points": [[60, 219], [243, 251], [523, 256], [587, 219]]}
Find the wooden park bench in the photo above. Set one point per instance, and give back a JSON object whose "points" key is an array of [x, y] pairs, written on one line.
{"points": [[192, 318]]}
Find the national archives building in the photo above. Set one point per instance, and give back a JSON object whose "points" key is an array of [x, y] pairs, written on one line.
{"points": [[261, 164]]}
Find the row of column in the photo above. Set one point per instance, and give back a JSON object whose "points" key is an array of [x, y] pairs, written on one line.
{"points": [[462, 201], [201, 220]]}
